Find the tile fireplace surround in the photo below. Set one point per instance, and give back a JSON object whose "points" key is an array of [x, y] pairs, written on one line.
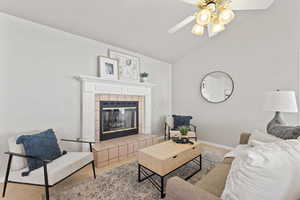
{"points": [[94, 89]]}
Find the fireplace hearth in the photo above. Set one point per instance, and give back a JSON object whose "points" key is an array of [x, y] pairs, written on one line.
{"points": [[118, 119]]}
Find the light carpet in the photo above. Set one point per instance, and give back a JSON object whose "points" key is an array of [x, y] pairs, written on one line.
{"points": [[121, 183]]}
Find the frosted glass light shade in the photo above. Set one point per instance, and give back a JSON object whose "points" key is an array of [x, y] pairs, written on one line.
{"points": [[226, 16], [203, 17], [198, 29], [216, 28], [281, 101]]}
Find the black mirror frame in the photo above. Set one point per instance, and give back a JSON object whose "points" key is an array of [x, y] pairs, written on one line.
{"points": [[228, 75]]}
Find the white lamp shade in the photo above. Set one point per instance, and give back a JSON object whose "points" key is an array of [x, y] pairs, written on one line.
{"points": [[281, 101]]}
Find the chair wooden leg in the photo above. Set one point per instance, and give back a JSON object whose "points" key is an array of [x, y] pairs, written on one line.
{"points": [[7, 175], [94, 171]]}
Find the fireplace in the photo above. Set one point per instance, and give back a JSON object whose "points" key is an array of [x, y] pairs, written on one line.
{"points": [[118, 119]]}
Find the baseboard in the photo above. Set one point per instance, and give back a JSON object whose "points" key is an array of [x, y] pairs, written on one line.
{"points": [[161, 137], [217, 145]]}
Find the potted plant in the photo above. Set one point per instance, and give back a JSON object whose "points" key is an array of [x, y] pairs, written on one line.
{"points": [[144, 77], [184, 131]]}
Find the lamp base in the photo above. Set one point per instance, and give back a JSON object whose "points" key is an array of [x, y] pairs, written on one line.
{"points": [[277, 120]]}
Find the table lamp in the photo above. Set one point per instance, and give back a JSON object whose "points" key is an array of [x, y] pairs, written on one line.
{"points": [[280, 101]]}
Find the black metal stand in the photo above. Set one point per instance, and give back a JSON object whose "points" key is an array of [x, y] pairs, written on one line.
{"points": [[7, 175], [160, 186], [93, 166], [46, 181]]}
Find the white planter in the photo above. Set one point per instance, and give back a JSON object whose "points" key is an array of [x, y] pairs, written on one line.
{"points": [[144, 79]]}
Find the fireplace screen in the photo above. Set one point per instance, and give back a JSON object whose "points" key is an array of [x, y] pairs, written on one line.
{"points": [[118, 118]]}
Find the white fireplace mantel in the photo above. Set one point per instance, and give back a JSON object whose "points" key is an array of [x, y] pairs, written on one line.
{"points": [[113, 82], [91, 86]]}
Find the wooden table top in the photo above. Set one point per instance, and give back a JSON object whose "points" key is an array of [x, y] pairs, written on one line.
{"points": [[168, 149]]}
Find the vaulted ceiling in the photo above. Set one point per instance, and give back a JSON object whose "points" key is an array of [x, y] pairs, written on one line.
{"points": [[136, 25]]}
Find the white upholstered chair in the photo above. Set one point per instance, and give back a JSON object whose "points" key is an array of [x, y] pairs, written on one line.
{"points": [[52, 172]]}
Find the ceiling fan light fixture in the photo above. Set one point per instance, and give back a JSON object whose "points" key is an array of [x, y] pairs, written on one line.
{"points": [[212, 6], [216, 28], [203, 17], [198, 29], [226, 16]]}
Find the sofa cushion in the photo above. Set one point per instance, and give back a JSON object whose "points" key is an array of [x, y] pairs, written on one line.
{"points": [[179, 189], [180, 120], [42, 145], [263, 137], [214, 181], [57, 169]]}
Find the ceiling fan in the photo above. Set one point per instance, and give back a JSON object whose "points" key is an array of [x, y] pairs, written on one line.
{"points": [[215, 14]]}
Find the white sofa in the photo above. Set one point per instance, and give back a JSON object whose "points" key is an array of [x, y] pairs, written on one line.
{"points": [[51, 173]]}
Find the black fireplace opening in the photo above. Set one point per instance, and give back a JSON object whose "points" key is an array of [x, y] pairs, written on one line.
{"points": [[118, 119]]}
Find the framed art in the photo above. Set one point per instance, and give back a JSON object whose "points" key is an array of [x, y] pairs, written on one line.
{"points": [[129, 66], [108, 68]]}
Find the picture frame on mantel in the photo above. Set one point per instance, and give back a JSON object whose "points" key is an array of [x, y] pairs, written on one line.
{"points": [[108, 68], [129, 66]]}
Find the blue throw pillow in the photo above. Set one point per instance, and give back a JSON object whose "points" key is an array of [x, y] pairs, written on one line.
{"points": [[180, 120], [42, 145]]}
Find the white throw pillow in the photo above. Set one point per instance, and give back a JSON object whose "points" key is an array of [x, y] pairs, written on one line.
{"points": [[263, 137], [265, 172]]}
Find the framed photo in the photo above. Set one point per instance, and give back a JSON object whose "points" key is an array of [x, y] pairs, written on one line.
{"points": [[129, 66], [108, 68]]}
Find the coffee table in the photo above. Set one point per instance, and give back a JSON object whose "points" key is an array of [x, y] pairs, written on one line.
{"points": [[164, 158]]}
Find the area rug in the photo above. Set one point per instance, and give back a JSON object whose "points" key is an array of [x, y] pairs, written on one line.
{"points": [[121, 183]]}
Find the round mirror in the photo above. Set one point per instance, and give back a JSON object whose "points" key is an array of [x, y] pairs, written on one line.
{"points": [[217, 87]]}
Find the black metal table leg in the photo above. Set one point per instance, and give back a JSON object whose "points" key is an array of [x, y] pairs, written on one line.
{"points": [[162, 187], [200, 163], [139, 173]]}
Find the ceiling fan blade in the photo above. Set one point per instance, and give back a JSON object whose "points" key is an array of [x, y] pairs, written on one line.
{"points": [[193, 2], [251, 4], [182, 24]]}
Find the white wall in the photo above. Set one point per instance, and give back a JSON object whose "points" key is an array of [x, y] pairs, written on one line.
{"points": [[38, 91], [260, 50]]}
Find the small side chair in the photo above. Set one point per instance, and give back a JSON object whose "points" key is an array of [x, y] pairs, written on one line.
{"points": [[52, 172], [173, 122]]}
